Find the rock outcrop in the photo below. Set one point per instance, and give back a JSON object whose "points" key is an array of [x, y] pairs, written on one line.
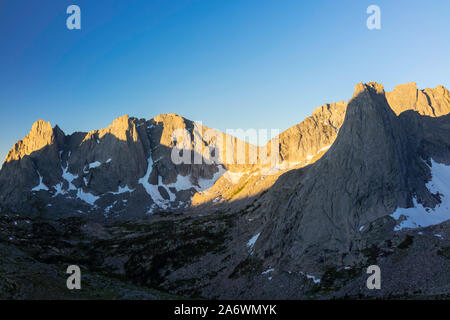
{"points": [[127, 168], [314, 215], [131, 168], [300, 143], [429, 102], [310, 222]]}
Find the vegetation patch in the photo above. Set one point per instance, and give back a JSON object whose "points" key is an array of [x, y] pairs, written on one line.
{"points": [[371, 253], [405, 244], [248, 267], [238, 190], [444, 252], [333, 279]]}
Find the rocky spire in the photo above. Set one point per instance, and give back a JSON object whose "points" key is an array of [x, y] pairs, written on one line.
{"points": [[40, 136], [363, 176]]}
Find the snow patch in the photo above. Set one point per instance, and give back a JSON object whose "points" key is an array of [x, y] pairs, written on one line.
{"points": [[123, 190], [152, 209], [268, 271], [206, 184], [310, 157], [95, 164], [108, 208], [151, 189], [316, 280], [252, 241], [311, 277], [87, 197], [69, 178], [41, 185], [419, 216], [182, 183], [219, 199], [281, 166], [234, 177]]}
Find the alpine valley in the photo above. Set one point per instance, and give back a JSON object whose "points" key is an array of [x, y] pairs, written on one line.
{"points": [[358, 183]]}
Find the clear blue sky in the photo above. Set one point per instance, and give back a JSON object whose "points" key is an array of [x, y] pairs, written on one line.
{"points": [[231, 64]]}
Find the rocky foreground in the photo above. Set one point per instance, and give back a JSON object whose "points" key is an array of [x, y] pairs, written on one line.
{"points": [[202, 257]]}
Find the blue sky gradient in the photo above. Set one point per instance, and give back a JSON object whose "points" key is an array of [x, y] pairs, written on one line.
{"points": [[231, 64]]}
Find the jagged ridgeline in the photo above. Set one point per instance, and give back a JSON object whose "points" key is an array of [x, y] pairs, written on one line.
{"points": [[379, 162], [346, 188], [127, 169]]}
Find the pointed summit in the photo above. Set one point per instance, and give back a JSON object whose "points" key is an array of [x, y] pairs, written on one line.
{"points": [[169, 117], [121, 128], [40, 135], [41, 126], [367, 87], [361, 178]]}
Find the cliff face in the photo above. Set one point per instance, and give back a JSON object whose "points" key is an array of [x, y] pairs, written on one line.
{"points": [[300, 143], [306, 142], [127, 168], [429, 102], [377, 164], [19, 174], [328, 208]]}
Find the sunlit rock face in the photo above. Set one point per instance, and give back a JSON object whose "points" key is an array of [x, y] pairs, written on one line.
{"points": [[128, 169], [429, 102], [378, 163]]}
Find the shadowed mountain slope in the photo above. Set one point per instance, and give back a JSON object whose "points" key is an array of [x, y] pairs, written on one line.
{"points": [[377, 164], [351, 185], [127, 169]]}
